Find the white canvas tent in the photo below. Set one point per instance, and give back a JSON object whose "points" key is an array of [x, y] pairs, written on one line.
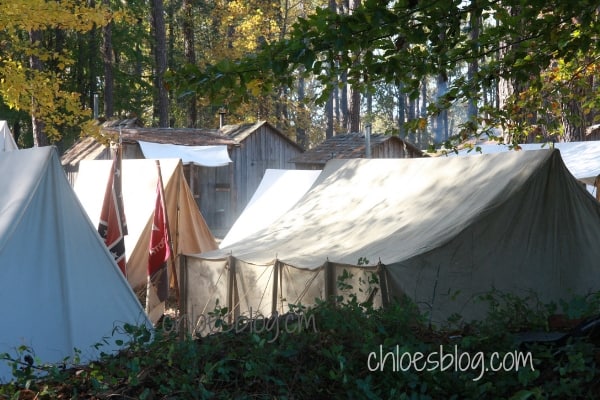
{"points": [[440, 230], [61, 287], [189, 231], [581, 158], [277, 192], [7, 142]]}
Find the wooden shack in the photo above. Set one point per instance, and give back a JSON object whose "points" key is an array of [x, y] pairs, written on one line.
{"points": [[353, 145]]}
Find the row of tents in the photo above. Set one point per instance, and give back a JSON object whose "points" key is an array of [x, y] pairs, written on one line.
{"points": [[440, 231]]}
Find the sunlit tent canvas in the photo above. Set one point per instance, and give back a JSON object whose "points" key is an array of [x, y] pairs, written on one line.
{"points": [[277, 192], [581, 158], [7, 142], [62, 290], [189, 231], [440, 230]]}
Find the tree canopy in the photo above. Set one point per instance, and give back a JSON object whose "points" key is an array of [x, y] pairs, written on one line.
{"points": [[29, 40], [436, 71], [542, 48]]}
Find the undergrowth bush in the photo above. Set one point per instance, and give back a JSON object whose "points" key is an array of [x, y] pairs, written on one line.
{"points": [[340, 353]]}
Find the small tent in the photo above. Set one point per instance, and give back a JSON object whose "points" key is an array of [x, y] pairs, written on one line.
{"points": [[189, 231], [62, 291], [7, 142], [439, 230]]}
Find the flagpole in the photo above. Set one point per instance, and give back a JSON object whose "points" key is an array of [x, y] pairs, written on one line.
{"points": [[172, 257]]}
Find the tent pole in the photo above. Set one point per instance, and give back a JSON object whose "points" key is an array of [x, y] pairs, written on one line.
{"points": [[172, 256], [275, 288], [329, 282], [231, 289], [381, 271]]}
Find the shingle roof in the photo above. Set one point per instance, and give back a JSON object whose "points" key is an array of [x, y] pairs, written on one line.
{"points": [[84, 148], [240, 132], [351, 145], [181, 136]]}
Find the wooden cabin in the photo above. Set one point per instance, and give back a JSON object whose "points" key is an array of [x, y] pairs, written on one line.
{"points": [[353, 145]]}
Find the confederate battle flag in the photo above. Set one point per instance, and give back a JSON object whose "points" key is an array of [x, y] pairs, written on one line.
{"points": [[112, 226], [159, 253]]}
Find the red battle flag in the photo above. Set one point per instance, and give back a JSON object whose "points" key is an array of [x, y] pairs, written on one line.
{"points": [[113, 226]]}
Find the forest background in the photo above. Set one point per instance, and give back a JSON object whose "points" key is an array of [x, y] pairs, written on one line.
{"points": [[435, 72]]}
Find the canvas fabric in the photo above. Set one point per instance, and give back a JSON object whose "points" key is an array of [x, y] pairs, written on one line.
{"points": [[439, 230], [190, 233], [63, 292]]}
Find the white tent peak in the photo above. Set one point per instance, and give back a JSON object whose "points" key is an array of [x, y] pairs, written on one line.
{"points": [[7, 142]]}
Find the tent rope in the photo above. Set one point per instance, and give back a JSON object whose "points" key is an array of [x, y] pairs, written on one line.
{"points": [[216, 285], [244, 293]]}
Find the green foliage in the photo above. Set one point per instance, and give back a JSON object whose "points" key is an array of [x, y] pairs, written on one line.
{"points": [[403, 43], [341, 356]]}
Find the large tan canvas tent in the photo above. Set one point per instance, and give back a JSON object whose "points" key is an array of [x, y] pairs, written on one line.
{"points": [[440, 231], [189, 231], [62, 291]]}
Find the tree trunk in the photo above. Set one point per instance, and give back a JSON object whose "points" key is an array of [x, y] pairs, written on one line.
{"points": [[160, 57], [108, 62], [472, 109], [441, 117], [354, 110], [301, 138], [574, 132], [329, 114], [345, 121], [423, 137], [329, 117], [355, 95], [38, 126], [401, 114], [190, 57], [88, 56]]}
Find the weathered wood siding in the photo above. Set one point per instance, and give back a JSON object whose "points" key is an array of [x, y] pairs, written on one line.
{"points": [[211, 188], [390, 149]]}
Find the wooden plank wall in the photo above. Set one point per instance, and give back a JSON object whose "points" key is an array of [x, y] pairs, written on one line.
{"points": [[211, 188]]}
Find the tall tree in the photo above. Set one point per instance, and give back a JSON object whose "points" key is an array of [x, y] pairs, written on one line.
{"points": [[37, 67], [438, 44], [160, 62], [473, 67], [190, 57], [108, 60], [33, 71]]}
